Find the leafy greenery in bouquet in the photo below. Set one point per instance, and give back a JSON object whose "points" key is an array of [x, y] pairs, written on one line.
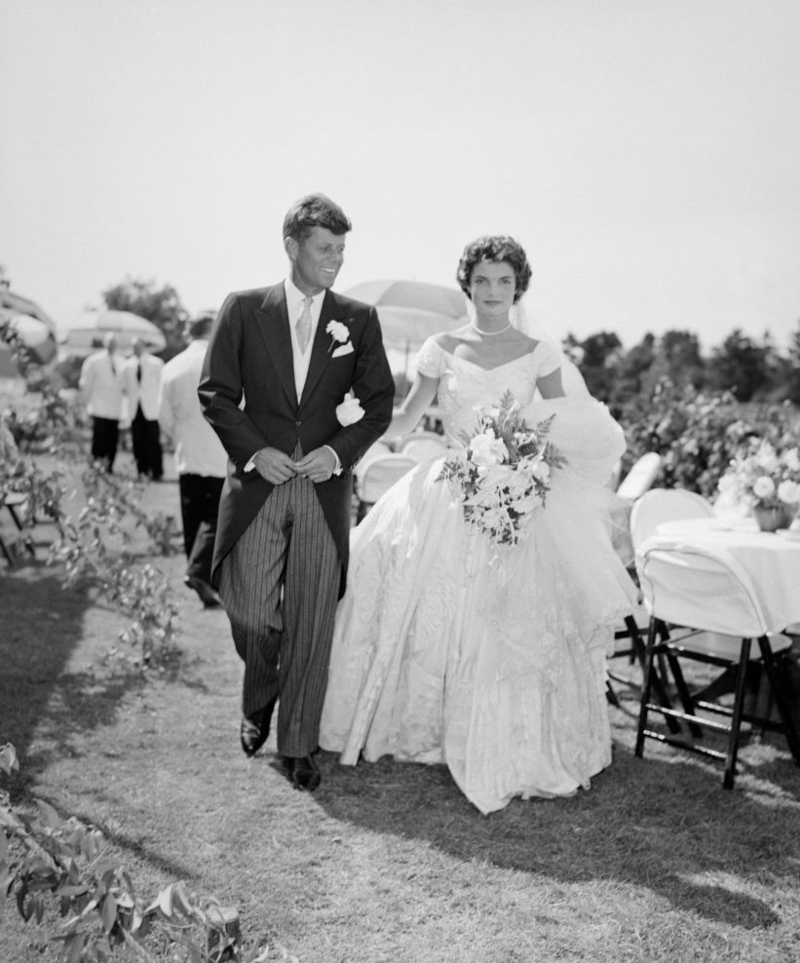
{"points": [[504, 475]]}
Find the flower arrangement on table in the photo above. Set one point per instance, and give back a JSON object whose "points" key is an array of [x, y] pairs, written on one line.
{"points": [[766, 480], [504, 475]]}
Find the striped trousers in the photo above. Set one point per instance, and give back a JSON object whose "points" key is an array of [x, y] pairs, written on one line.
{"points": [[280, 585]]}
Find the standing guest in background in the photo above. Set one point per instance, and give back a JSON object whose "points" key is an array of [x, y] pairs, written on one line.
{"points": [[143, 378], [102, 386], [280, 363], [200, 459]]}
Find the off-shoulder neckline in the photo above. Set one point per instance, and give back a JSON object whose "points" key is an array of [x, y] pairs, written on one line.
{"points": [[496, 367]]}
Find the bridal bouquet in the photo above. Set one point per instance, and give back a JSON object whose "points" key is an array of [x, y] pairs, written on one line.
{"points": [[505, 475]]}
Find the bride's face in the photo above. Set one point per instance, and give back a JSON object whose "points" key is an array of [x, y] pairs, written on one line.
{"points": [[492, 288]]}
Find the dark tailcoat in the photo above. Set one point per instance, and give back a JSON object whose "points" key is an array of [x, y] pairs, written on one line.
{"points": [[248, 395]]}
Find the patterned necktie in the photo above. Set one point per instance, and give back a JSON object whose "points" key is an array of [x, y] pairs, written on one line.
{"points": [[303, 326]]}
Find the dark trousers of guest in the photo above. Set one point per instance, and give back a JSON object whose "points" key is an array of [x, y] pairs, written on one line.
{"points": [[199, 509], [146, 438], [105, 438]]}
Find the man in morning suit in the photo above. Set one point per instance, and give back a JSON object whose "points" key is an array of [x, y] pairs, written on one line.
{"points": [[280, 362], [143, 377], [102, 386]]}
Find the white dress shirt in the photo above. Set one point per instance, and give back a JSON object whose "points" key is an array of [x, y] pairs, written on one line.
{"points": [[198, 450], [143, 392], [295, 300], [102, 384]]}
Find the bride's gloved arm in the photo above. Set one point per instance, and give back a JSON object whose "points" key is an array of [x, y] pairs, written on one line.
{"points": [[418, 400]]}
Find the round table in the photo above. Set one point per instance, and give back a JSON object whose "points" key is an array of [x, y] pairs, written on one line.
{"points": [[771, 559]]}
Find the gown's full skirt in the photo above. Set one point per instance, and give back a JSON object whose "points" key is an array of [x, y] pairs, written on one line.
{"points": [[491, 659]]}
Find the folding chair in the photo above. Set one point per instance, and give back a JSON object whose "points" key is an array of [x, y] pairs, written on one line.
{"points": [[653, 506], [704, 609], [400, 442], [424, 448], [663, 505], [376, 449], [378, 477], [641, 476]]}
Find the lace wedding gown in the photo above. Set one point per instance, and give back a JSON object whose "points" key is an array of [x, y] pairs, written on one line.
{"points": [[451, 649]]}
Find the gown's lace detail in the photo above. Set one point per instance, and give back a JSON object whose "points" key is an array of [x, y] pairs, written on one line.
{"points": [[449, 648]]}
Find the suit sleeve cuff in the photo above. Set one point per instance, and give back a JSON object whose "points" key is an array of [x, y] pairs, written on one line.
{"points": [[338, 469]]}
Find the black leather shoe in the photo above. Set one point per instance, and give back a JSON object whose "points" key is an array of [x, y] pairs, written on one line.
{"points": [[302, 772], [254, 730], [208, 595]]}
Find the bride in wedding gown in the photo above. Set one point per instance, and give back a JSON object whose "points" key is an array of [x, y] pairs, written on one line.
{"points": [[450, 647]]}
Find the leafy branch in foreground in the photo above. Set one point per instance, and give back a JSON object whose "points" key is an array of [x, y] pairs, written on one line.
{"points": [[97, 546], [50, 864], [97, 549]]}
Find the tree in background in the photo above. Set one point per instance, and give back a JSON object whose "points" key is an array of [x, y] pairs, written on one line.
{"points": [[742, 366], [161, 305], [598, 358], [679, 359], [632, 371], [793, 374]]}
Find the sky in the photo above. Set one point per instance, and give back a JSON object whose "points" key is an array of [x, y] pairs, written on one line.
{"points": [[645, 152]]}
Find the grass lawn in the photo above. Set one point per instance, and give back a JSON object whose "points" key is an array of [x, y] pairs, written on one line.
{"points": [[385, 862]]}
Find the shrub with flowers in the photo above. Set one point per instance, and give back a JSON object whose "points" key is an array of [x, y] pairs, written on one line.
{"points": [[763, 477], [504, 475]]}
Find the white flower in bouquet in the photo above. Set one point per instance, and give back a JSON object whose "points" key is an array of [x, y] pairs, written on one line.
{"points": [[488, 449], [540, 470], [505, 472]]}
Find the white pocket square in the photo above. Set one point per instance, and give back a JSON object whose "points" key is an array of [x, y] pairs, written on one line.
{"points": [[343, 349]]}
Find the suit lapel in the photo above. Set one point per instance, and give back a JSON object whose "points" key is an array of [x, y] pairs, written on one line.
{"points": [[273, 326], [320, 353]]}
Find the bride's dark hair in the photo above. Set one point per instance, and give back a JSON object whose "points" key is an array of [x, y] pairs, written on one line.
{"points": [[497, 248]]}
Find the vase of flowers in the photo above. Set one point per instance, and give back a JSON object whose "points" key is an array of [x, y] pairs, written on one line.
{"points": [[768, 481], [771, 518]]}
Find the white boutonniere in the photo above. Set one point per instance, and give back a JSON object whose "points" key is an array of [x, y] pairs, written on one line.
{"points": [[339, 332]]}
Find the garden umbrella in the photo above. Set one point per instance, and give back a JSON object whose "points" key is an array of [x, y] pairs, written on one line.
{"points": [[34, 335], [88, 331], [23, 321], [410, 312]]}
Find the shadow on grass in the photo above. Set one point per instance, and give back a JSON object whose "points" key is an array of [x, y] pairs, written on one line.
{"points": [[662, 823], [42, 702]]}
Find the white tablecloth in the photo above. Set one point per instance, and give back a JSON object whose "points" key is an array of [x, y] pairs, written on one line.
{"points": [[772, 561]]}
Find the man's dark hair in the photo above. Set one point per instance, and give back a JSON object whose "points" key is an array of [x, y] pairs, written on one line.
{"points": [[200, 326], [314, 210]]}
